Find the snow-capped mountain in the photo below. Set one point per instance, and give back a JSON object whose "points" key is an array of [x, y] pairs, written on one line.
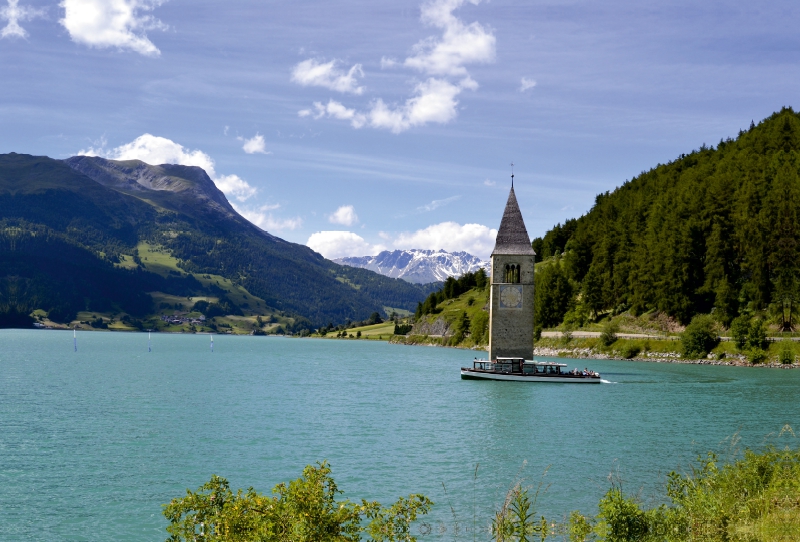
{"points": [[418, 266]]}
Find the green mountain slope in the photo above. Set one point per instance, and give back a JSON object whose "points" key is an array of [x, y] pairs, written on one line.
{"points": [[714, 230], [71, 232]]}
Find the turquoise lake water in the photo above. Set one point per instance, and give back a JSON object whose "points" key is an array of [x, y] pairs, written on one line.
{"points": [[92, 443]]}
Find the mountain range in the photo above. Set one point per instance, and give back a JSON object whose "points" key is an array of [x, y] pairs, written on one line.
{"points": [[92, 234], [418, 266]]}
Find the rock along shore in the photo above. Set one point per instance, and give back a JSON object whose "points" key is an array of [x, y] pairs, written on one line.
{"points": [[655, 357]]}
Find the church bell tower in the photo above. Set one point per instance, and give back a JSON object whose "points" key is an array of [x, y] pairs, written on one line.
{"points": [[511, 297]]}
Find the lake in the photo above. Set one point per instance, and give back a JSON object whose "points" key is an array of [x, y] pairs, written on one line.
{"points": [[93, 442]]}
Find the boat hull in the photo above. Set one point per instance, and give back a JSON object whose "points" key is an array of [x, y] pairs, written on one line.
{"points": [[470, 374]]}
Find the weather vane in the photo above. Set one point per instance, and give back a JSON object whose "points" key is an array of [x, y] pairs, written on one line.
{"points": [[512, 174]]}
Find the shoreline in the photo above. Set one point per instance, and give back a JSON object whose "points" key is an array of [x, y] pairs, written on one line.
{"points": [[657, 357], [737, 360]]}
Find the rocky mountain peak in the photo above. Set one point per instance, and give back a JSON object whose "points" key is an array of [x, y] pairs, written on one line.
{"points": [[418, 265]]}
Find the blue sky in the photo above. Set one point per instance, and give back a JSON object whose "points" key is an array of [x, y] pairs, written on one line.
{"points": [[354, 126]]}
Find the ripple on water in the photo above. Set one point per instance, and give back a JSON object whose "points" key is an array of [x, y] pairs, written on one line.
{"points": [[101, 438]]}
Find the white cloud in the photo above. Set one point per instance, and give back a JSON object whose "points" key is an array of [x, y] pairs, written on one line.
{"points": [[338, 244], [336, 110], [312, 73], [160, 150], [435, 204], [434, 100], [254, 145], [387, 62], [476, 239], [489, 182], [526, 84], [13, 13], [112, 23], [265, 220], [459, 44], [344, 215]]}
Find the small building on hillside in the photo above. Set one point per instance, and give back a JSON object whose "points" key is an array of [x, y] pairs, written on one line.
{"points": [[511, 295]]}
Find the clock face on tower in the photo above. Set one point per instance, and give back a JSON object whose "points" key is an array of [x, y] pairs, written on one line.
{"points": [[511, 297]]}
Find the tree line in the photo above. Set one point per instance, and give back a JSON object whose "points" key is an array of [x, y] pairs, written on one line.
{"points": [[713, 231], [452, 288]]}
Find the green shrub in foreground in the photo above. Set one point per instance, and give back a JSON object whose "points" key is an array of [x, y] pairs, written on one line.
{"points": [[305, 510], [755, 499]]}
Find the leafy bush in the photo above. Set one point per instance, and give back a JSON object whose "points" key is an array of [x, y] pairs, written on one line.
{"points": [[700, 337], [577, 316], [609, 334], [786, 355], [740, 330], [306, 509], [623, 517], [757, 494], [462, 326], [566, 335], [757, 335], [516, 521], [756, 356], [98, 323], [630, 350], [479, 326], [402, 329]]}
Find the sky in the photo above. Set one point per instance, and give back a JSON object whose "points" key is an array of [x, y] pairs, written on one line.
{"points": [[356, 126]]}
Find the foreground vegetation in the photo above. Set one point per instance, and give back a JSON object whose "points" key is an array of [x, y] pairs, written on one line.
{"points": [[305, 510], [755, 498]]}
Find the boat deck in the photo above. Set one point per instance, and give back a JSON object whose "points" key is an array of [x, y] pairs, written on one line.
{"points": [[520, 370]]}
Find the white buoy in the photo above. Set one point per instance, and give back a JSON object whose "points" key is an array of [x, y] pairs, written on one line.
{"points": [[75, 339]]}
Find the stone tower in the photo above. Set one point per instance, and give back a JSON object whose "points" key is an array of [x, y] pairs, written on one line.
{"points": [[511, 297]]}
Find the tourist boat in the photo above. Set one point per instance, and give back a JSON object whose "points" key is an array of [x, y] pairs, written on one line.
{"points": [[520, 370]]}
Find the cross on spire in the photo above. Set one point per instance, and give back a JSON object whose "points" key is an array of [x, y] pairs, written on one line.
{"points": [[512, 174]]}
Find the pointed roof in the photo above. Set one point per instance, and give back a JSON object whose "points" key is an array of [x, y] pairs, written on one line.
{"points": [[512, 237]]}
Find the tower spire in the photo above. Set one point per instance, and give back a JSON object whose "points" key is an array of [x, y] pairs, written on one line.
{"points": [[512, 236], [512, 175]]}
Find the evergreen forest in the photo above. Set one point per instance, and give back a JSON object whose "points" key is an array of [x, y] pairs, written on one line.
{"points": [[713, 231]]}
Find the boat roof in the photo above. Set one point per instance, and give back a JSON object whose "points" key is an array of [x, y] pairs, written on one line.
{"points": [[534, 362]]}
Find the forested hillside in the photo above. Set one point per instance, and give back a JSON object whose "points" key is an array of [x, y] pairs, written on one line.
{"points": [[71, 232], [715, 230]]}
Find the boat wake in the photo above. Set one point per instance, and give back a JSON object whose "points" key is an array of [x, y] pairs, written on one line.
{"points": [[604, 381]]}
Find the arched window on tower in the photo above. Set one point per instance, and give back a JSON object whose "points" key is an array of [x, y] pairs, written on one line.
{"points": [[511, 274]]}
